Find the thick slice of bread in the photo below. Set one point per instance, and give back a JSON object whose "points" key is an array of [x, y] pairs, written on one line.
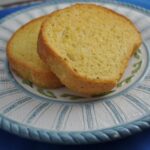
{"points": [[88, 46], [23, 57]]}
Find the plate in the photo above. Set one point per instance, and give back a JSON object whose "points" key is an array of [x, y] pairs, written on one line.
{"points": [[62, 116]]}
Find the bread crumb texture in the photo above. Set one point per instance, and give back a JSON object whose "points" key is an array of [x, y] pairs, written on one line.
{"points": [[95, 42], [24, 59]]}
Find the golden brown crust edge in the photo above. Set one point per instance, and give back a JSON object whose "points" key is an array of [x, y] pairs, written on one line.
{"points": [[45, 79], [69, 77]]}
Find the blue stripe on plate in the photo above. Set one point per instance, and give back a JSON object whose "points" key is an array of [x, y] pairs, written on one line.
{"points": [[141, 100], [84, 124], [42, 112], [122, 114], [2, 76], [89, 117], [37, 111], [113, 111], [3, 39], [61, 118], [67, 117], [13, 106], [5, 81], [2, 48], [146, 92], [30, 113], [93, 106], [147, 78], [110, 112], [144, 88], [58, 112], [139, 104], [8, 29], [8, 91]]}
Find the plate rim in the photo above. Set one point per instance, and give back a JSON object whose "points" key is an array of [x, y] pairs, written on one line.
{"points": [[75, 137]]}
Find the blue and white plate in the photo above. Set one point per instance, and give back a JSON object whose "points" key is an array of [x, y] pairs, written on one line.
{"points": [[61, 116]]}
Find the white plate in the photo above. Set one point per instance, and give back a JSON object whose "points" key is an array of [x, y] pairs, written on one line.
{"points": [[61, 116]]}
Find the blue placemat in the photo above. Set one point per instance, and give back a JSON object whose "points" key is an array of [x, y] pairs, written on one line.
{"points": [[139, 141]]}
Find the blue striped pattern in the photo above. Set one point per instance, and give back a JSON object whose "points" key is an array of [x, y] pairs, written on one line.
{"points": [[8, 91], [37, 111], [40, 113], [9, 29], [12, 107], [91, 121], [139, 104], [2, 48], [120, 111], [61, 117], [113, 111], [95, 117], [3, 39], [89, 117], [147, 78], [82, 108], [143, 88], [142, 101], [3, 76], [4, 81]]}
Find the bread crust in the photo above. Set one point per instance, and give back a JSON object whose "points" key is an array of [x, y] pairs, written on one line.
{"points": [[41, 77], [70, 77]]}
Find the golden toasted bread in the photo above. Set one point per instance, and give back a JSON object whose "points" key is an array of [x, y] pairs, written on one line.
{"points": [[88, 46], [23, 57]]}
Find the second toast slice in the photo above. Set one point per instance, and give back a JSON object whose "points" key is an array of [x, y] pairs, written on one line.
{"points": [[23, 57]]}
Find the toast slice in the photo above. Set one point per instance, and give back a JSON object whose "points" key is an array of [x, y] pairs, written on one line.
{"points": [[23, 57], [88, 46]]}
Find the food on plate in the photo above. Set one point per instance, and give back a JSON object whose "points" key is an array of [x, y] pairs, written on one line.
{"points": [[88, 47], [24, 59]]}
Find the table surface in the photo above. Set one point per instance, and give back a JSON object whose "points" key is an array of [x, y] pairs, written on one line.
{"points": [[138, 141]]}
